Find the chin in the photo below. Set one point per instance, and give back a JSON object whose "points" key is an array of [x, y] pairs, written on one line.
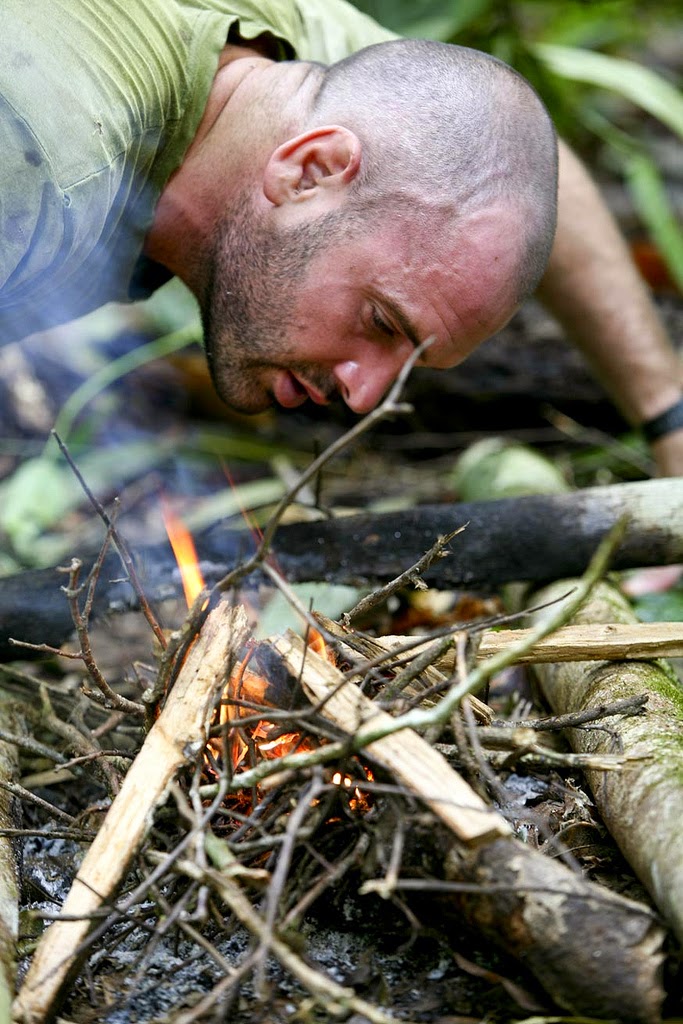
{"points": [[245, 404]]}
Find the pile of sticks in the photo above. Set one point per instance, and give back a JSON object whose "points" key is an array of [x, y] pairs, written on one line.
{"points": [[240, 842]]}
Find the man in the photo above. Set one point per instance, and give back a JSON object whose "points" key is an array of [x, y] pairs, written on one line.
{"points": [[329, 212]]}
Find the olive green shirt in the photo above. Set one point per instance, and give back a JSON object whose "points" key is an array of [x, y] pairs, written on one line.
{"points": [[99, 101]]}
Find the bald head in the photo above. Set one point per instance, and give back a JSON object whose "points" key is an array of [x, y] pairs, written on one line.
{"points": [[451, 128]]}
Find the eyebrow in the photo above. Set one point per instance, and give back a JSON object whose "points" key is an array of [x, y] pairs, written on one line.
{"points": [[402, 319]]}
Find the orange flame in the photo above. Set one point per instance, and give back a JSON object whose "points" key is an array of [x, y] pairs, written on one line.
{"points": [[185, 553], [318, 645]]}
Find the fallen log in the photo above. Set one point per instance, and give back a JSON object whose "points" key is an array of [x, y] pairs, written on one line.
{"points": [[178, 734], [642, 806], [536, 538], [593, 951]]}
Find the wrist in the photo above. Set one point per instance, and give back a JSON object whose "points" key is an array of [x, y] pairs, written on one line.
{"points": [[666, 422]]}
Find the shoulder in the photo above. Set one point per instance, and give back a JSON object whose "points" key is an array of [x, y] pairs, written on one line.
{"points": [[319, 30]]}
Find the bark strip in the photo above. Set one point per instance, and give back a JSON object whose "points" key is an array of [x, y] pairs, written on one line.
{"points": [[177, 736]]}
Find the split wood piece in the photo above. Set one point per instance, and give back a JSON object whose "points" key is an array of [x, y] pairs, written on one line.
{"points": [[593, 641], [177, 736], [642, 806], [353, 644], [408, 757], [534, 914], [9, 880]]}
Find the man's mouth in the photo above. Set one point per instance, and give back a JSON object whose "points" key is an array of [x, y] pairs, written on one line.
{"points": [[290, 392]]}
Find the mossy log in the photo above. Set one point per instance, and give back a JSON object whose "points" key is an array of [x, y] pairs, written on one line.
{"points": [[642, 805]]}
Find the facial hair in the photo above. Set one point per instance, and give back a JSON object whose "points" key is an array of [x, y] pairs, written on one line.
{"points": [[254, 276]]}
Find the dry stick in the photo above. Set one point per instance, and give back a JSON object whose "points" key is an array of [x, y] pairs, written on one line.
{"points": [[413, 576], [179, 733], [112, 699], [390, 406], [25, 794], [118, 542], [78, 742], [279, 876], [336, 999]]}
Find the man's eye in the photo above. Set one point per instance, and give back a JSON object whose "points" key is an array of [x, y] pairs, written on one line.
{"points": [[380, 323]]}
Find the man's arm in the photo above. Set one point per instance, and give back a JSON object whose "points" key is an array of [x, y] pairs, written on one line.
{"points": [[592, 286]]}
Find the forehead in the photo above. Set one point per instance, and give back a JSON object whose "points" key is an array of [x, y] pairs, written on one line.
{"points": [[452, 281]]}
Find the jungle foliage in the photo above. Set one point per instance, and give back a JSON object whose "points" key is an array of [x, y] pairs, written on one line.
{"points": [[605, 70]]}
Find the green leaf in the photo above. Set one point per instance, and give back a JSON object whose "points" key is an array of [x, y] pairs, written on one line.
{"points": [[638, 84], [663, 607], [118, 368], [653, 205], [37, 496]]}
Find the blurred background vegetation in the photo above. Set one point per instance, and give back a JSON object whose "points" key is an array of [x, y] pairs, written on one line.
{"points": [[609, 72]]}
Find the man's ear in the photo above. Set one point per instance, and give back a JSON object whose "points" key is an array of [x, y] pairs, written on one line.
{"points": [[326, 158]]}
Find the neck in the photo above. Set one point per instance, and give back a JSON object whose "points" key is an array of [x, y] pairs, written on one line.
{"points": [[198, 192]]}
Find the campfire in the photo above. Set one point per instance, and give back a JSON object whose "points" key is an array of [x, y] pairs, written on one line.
{"points": [[263, 778]]}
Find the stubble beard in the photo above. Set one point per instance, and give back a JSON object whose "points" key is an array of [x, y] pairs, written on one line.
{"points": [[253, 279]]}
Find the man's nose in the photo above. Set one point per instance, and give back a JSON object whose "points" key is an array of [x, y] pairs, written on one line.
{"points": [[363, 383]]}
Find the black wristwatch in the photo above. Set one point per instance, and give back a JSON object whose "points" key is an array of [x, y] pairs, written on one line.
{"points": [[668, 421]]}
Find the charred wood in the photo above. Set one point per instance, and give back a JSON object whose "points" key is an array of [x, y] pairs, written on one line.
{"points": [[536, 538]]}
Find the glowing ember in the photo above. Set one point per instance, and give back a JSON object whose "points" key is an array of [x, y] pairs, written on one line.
{"points": [[185, 553], [359, 799]]}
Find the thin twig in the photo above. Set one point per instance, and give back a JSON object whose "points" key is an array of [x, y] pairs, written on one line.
{"points": [[413, 576], [390, 406], [118, 542], [113, 699]]}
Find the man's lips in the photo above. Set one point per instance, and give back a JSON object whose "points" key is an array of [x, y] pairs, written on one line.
{"points": [[290, 392]]}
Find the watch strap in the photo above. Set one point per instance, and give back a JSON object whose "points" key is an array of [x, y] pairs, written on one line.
{"points": [[665, 423]]}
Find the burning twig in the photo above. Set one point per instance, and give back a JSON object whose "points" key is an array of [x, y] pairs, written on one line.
{"points": [[179, 733], [408, 757]]}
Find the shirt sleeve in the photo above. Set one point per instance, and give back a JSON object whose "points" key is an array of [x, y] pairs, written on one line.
{"points": [[333, 29], [31, 217]]}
